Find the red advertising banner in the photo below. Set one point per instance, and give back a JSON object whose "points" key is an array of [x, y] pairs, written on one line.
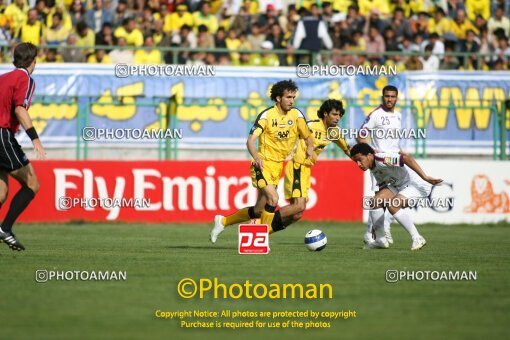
{"points": [[175, 191]]}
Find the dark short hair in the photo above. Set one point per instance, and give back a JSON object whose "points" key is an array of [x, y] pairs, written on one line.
{"points": [[362, 148], [389, 88], [328, 106], [24, 55], [280, 87]]}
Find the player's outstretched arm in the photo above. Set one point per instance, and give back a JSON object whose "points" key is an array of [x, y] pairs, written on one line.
{"points": [[25, 121], [411, 162], [342, 144], [250, 143]]}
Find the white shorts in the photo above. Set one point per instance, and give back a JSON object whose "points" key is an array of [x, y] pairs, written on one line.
{"points": [[412, 189]]}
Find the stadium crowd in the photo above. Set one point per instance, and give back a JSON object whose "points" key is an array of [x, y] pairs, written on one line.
{"points": [[420, 34]]}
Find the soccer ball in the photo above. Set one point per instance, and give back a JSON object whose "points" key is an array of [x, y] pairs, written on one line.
{"points": [[315, 240]]}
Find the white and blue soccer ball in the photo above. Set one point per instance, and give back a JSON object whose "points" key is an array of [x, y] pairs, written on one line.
{"points": [[315, 240]]}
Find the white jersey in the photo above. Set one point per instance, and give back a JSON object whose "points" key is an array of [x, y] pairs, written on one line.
{"points": [[389, 170], [380, 119]]}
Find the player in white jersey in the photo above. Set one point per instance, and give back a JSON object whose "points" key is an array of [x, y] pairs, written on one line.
{"points": [[384, 117], [395, 188]]}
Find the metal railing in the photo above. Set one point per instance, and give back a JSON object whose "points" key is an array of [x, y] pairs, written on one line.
{"points": [[169, 117], [323, 56]]}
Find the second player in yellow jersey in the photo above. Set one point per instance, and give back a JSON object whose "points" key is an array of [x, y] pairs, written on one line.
{"points": [[298, 171]]}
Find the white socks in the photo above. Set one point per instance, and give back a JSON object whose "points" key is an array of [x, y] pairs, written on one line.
{"points": [[405, 221], [377, 218]]}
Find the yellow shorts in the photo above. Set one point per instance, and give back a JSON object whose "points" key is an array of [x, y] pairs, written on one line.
{"points": [[270, 174], [297, 180]]}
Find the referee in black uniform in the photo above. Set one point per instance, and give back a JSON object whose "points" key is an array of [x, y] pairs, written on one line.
{"points": [[16, 90]]}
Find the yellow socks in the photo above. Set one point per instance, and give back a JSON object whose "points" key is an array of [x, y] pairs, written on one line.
{"points": [[237, 217]]}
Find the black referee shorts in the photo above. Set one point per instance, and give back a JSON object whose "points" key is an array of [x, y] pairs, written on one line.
{"points": [[11, 156]]}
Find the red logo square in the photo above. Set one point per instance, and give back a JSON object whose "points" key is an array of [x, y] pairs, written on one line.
{"points": [[253, 239]]}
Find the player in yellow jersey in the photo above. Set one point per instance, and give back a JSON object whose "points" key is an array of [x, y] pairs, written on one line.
{"points": [[298, 171], [277, 129]]}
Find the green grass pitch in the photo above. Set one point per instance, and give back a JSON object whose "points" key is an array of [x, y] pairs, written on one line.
{"points": [[156, 257]]}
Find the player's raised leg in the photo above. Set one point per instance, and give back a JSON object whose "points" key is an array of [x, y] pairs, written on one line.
{"points": [[240, 216], [402, 217]]}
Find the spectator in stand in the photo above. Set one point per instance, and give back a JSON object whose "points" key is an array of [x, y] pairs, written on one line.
{"points": [[226, 18], [149, 55], [374, 43], [72, 55], [420, 24], [327, 14], [42, 10], [430, 62], [204, 17], [374, 19], [57, 34], [437, 45], [17, 11], [450, 62], [77, 12], [99, 57], [105, 36], [339, 32], [410, 8], [355, 22], [98, 16], [453, 6], [460, 25], [475, 7], [269, 18], [439, 24], [268, 58], [400, 25], [219, 41], [86, 37], [414, 63], [65, 18], [157, 33], [366, 6], [310, 32], [31, 31], [390, 40], [120, 14], [276, 38], [470, 45], [499, 21], [396, 60], [178, 19], [243, 20], [52, 56], [204, 40], [233, 44], [121, 55], [480, 23], [502, 51], [146, 21], [256, 38], [128, 30], [357, 42]]}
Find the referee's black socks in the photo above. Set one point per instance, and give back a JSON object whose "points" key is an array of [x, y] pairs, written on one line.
{"points": [[19, 203]]}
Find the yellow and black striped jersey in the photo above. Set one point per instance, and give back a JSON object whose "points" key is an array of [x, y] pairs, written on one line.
{"points": [[278, 132], [320, 142]]}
